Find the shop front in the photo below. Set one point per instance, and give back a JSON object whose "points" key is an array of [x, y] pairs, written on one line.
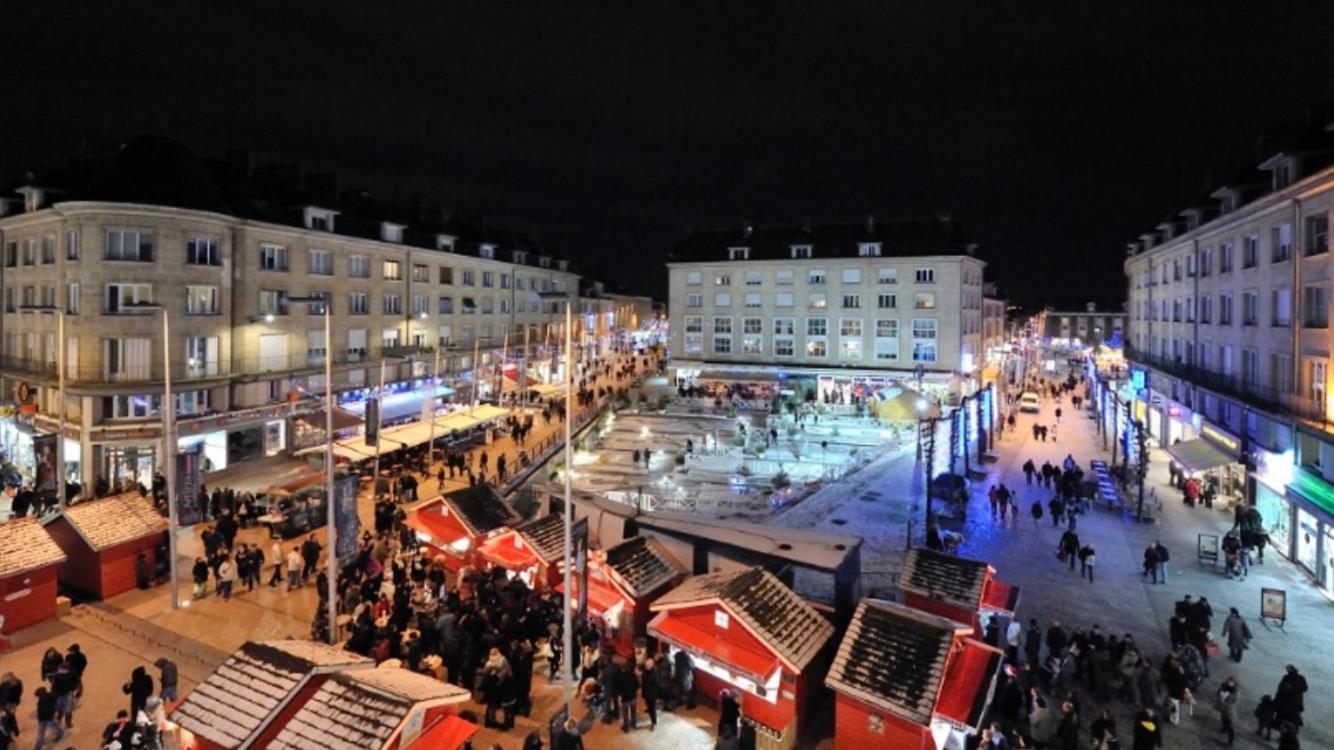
{"points": [[1272, 472], [1214, 460], [1312, 520]]}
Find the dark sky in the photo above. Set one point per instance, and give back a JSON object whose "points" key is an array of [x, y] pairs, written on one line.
{"points": [[1054, 135]]}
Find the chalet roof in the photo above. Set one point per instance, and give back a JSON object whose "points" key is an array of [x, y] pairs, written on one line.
{"points": [[805, 547], [894, 658], [952, 580], [235, 701], [360, 710], [25, 546], [481, 509], [794, 629], [643, 564], [105, 523], [545, 535]]}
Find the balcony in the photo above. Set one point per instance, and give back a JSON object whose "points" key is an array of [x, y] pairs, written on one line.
{"points": [[1268, 398]]}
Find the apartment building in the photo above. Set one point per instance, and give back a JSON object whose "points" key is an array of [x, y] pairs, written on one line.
{"points": [[1229, 323], [222, 252], [845, 309], [1087, 327]]}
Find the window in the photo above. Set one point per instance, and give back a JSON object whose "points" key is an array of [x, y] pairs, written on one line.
{"points": [[30, 252], [488, 305], [1315, 307], [868, 249], [1250, 308], [783, 299], [201, 300], [272, 302], [752, 325], [924, 301], [1206, 309], [392, 270], [924, 340], [1280, 303], [420, 304], [446, 275], [1280, 240], [1250, 367], [783, 278], [201, 355], [124, 245], [722, 325], [1225, 309], [694, 343], [850, 338], [925, 276], [469, 277], [887, 301], [694, 299], [694, 278], [319, 262], [738, 253], [356, 344], [722, 339], [1224, 258], [272, 258], [389, 337], [488, 279], [203, 251], [852, 301], [1206, 261], [886, 340], [48, 249], [72, 245], [359, 266], [1250, 251], [73, 303], [1317, 235], [816, 301], [504, 281], [754, 299], [752, 335], [358, 304], [1190, 265], [783, 326], [1319, 375], [852, 276], [444, 305], [754, 278], [817, 327], [815, 276], [123, 295], [393, 304], [694, 324], [11, 254], [887, 276], [801, 251], [722, 299], [784, 347]]}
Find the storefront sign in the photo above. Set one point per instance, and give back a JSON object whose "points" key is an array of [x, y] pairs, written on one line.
{"points": [[189, 478], [22, 392], [1274, 605], [1221, 439], [1207, 548], [346, 523], [372, 421], [579, 541], [1273, 469], [44, 464]]}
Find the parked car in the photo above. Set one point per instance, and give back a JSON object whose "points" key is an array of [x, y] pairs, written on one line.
{"points": [[1030, 402]]}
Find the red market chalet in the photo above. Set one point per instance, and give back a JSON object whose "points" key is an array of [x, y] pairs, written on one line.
{"points": [[623, 582], [103, 539], [531, 550], [963, 590], [908, 680], [299, 695], [29, 561], [455, 525], [747, 631]]}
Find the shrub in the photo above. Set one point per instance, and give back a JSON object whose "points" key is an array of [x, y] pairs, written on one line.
{"points": [[781, 480], [680, 460], [743, 470]]}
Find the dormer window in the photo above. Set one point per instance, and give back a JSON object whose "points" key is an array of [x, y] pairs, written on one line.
{"points": [[801, 252], [444, 243], [869, 249], [738, 253], [520, 257], [1282, 175], [1228, 203], [391, 232], [318, 219], [487, 251], [34, 198], [544, 261], [563, 264]]}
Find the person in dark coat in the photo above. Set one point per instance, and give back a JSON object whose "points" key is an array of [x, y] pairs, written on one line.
{"points": [[1297, 683], [729, 712], [649, 688], [78, 663], [1288, 705], [684, 674], [139, 688], [167, 680], [1148, 731], [1033, 643], [627, 690]]}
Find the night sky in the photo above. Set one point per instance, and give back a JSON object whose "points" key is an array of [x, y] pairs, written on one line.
{"points": [[1053, 135]]}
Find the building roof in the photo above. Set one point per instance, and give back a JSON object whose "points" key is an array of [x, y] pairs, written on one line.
{"points": [[894, 658], [952, 580], [905, 238], [806, 547], [545, 536], [25, 546], [789, 626], [361, 709], [235, 701], [110, 521], [481, 509], [642, 565]]}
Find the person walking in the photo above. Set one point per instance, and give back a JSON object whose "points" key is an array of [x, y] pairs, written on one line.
{"points": [[627, 691], [167, 680], [1226, 703], [226, 577], [1035, 510], [649, 688], [1238, 634], [47, 722], [1087, 559], [1069, 547], [1290, 700], [62, 687], [1029, 471], [276, 559], [310, 555], [294, 561], [1163, 557], [139, 688], [1033, 644], [1148, 733], [78, 664]]}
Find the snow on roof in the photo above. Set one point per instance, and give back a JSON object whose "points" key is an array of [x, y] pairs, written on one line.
{"points": [[481, 509], [893, 658], [235, 701], [786, 623], [25, 546], [105, 523], [545, 535], [643, 564], [361, 710], [815, 549], [952, 580]]}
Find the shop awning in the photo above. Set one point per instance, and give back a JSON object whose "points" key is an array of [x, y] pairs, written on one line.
{"points": [[501, 550], [342, 419], [1198, 455], [754, 666], [441, 529], [449, 734], [738, 376], [1000, 597], [967, 686], [601, 596]]}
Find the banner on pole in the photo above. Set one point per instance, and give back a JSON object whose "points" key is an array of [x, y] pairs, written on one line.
{"points": [[189, 478], [579, 542], [346, 523], [372, 420], [46, 481]]}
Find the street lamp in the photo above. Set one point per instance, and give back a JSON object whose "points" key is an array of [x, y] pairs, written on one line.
{"points": [[331, 536], [567, 635], [922, 406], [60, 379]]}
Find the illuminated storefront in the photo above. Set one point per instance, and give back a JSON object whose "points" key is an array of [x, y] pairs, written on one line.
{"points": [[1272, 473], [1313, 516]]}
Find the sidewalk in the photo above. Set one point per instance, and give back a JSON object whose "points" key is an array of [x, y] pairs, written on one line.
{"points": [[1123, 602]]}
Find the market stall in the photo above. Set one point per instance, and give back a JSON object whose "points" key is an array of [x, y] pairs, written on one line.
{"points": [[455, 525], [623, 582], [966, 591], [748, 632], [1214, 461], [29, 562], [904, 678], [531, 550], [295, 507], [103, 540]]}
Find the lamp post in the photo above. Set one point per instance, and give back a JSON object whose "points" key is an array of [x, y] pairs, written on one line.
{"points": [[922, 406], [60, 381], [567, 544], [330, 518]]}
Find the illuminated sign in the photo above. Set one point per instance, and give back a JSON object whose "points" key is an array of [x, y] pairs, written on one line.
{"points": [[1137, 379], [1222, 439]]}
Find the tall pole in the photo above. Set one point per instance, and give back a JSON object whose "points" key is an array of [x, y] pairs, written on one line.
{"points": [[168, 454], [379, 425], [60, 378], [504, 359], [331, 540], [476, 371], [435, 388], [523, 369], [567, 635]]}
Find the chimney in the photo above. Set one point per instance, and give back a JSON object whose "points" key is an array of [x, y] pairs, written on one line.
{"points": [[870, 223], [1132, 248], [1091, 306]]}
